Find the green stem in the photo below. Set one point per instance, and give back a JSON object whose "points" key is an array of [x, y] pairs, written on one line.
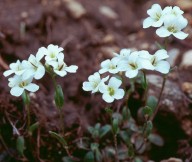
{"points": [[28, 116], [145, 88], [61, 121], [159, 98]]}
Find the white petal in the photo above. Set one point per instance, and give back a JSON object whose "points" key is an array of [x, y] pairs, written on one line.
{"points": [[158, 23], [60, 73], [32, 87], [114, 82], [27, 74], [71, 69], [103, 88], [119, 94], [180, 35], [163, 32], [16, 91], [145, 64], [161, 55], [41, 52], [131, 73], [101, 71], [106, 63], [19, 72], [8, 72], [107, 98], [87, 86], [40, 72], [148, 22], [163, 67]]}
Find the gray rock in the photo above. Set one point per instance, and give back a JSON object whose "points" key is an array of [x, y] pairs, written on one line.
{"points": [[187, 59]]}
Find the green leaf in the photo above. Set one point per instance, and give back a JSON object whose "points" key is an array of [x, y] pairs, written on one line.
{"points": [[149, 127], [67, 159], [89, 157], [156, 139], [59, 97], [115, 125], [126, 113], [26, 98], [125, 136], [152, 102], [147, 111], [98, 155], [94, 146], [33, 127], [59, 138], [131, 151], [20, 145], [104, 130]]}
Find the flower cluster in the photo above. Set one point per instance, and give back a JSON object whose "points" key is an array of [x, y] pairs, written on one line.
{"points": [[129, 63], [27, 70], [170, 21]]}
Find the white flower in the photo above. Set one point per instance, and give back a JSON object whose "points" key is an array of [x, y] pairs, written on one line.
{"points": [[51, 52], [34, 67], [94, 82], [18, 85], [60, 68], [15, 68], [109, 66], [112, 90], [124, 55], [156, 17], [158, 61], [175, 11], [173, 25], [134, 64]]}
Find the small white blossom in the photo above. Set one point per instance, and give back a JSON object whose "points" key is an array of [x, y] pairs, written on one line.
{"points": [[112, 90], [134, 64], [18, 85], [109, 66], [158, 61], [94, 82], [175, 11], [173, 25], [156, 17], [60, 67], [124, 55], [51, 52], [34, 67], [15, 68]]}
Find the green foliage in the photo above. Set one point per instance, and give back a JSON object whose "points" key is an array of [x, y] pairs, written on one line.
{"points": [[98, 131], [126, 113], [33, 127], [115, 125], [89, 157], [152, 102], [26, 98], [20, 145], [59, 138], [59, 97], [147, 111], [156, 139], [149, 127]]}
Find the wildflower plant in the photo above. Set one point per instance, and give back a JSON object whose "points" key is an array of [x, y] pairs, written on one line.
{"points": [[129, 65]]}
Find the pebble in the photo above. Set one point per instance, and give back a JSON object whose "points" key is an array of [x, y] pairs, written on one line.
{"points": [[75, 8], [187, 59], [187, 88], [173, 55], [172, 160], [108, 12]]}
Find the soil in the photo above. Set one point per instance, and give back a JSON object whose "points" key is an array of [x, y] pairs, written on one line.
{"points": [[87, 39]]}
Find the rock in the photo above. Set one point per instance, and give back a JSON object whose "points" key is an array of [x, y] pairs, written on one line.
{"points": [[75, 8], [108, 51], [187, 59], [108, 39], [173, 55], [108, 12], [186, 125], [184, 5], [187, 88], [172, 160]]}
